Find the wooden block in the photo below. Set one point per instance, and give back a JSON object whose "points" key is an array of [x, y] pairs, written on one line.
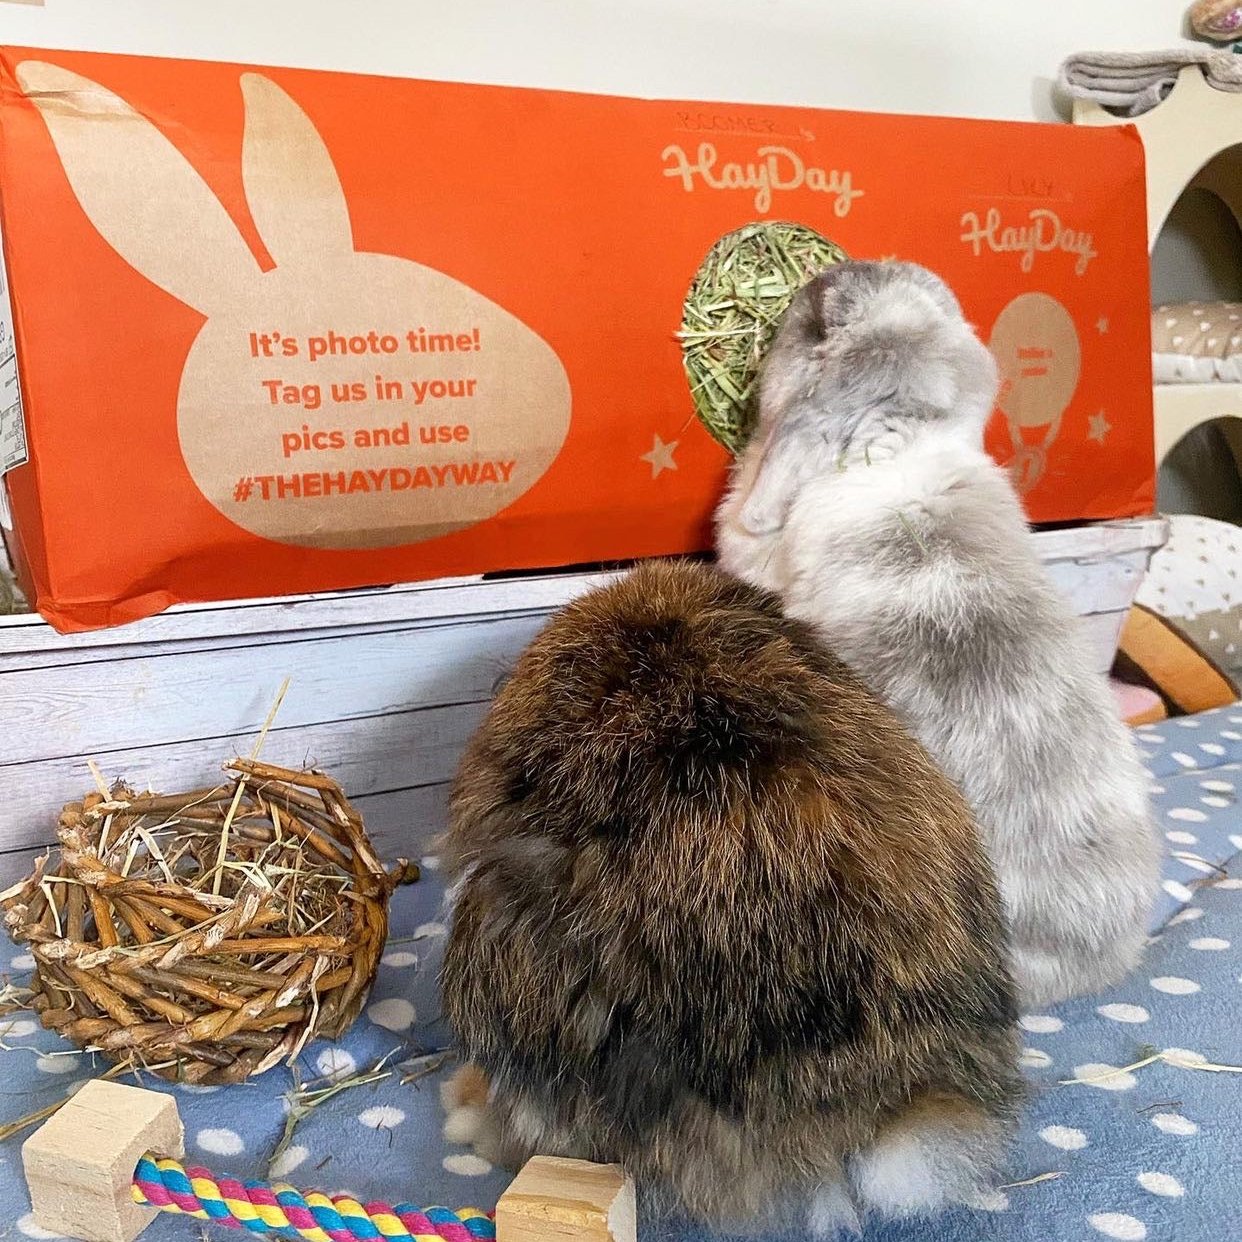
{"points": [[555, 1200], [80, 1163]]}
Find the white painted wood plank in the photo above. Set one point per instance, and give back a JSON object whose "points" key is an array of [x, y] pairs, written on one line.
{"points": [[1100, 586], [432, 602], [14, 865], [1113, 586], [405, 823], [1101, 539], [371, 755], [1103, 630], [402, 605], [65, 660], [156, 699]]}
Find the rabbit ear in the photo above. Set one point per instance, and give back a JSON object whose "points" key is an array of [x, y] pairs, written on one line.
{"points": [[139, 191], [294, 193]]}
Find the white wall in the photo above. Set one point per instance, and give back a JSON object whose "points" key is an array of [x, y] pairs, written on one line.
{"points": [[989, 58]]}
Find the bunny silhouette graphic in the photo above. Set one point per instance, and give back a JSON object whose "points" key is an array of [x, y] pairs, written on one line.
{"points": [[495, 407]]}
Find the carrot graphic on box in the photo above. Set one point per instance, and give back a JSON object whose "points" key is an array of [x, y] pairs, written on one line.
{"points": [[343, 399]]}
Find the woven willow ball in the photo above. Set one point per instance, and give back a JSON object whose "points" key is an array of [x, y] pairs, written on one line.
{"points": [[737, 299], [207, 935]]}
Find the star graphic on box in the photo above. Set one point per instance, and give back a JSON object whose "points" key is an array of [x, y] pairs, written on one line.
{"points": [[661, 456], [1098, 427]]}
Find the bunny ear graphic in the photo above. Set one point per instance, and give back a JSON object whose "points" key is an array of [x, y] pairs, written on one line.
{"points": [[137, 189], [294, 193]]}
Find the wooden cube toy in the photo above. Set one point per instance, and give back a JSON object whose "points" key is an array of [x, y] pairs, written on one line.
{"points": [[80, 1163], [555, 1200], [80, 1170]]}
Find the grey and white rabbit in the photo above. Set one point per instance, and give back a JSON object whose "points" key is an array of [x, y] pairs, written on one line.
{"points": [[719, 918], [867, 503]]}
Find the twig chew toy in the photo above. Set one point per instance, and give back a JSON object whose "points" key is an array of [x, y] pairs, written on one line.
{"points": [[102, 1166], [206, 935]]}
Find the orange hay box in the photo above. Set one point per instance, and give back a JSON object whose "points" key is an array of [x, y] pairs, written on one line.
{"points": [[282, 331]]}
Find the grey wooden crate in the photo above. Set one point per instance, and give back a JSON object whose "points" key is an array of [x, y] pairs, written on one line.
{"points": [[386, 686]]}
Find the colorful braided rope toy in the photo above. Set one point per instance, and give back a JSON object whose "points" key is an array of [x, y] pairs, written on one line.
{"points": [[167, 1184], [102, 1166]]}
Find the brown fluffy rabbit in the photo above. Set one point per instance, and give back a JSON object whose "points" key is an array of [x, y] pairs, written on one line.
{"points": [[718, 918]]}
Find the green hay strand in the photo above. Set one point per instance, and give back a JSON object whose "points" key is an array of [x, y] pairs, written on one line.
{"points": [[737, 299]]}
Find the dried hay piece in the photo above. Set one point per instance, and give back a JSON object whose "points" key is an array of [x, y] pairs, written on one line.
{"points": [[738, 297]]}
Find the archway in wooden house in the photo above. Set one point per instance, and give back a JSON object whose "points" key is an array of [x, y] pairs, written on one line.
{"points": [[1197, 266], [1201, 474]]}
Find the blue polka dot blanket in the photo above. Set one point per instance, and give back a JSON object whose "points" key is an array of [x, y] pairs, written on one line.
{"points": [[1133, 1131]]}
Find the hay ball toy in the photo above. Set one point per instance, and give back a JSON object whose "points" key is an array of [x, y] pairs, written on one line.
{"points": [[737, 299], [205, 936]]}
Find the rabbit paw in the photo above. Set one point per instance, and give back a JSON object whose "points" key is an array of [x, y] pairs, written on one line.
{"points": [[464, 1098], [833, 1212]]}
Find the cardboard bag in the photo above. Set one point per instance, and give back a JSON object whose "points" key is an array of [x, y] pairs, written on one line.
{"points": [[280, 331]]}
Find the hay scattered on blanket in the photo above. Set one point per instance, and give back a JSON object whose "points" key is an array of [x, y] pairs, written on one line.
{"points": [[306, 1097], [738, 297], [13, 1128], [1150, 1056], [1034, 1181], [13, 999]]}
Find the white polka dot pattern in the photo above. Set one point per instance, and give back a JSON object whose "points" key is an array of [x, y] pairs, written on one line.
{"points": [[381, 1117], [1104, 1077], [1188, 915], [1040, 1024], [220, 1141], [293, 1157], [1064, 1138], [1118, 1225], [1195, 580], [1124, 1013], [1161, 1184], [399, 958], [1138, 1149], [1187, 814], [1175, 1123], [1186, 1054], [394, 1013], [335, 1064], [62, 1063], [466, 1164], [989, 1201], [1175, 985]]}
